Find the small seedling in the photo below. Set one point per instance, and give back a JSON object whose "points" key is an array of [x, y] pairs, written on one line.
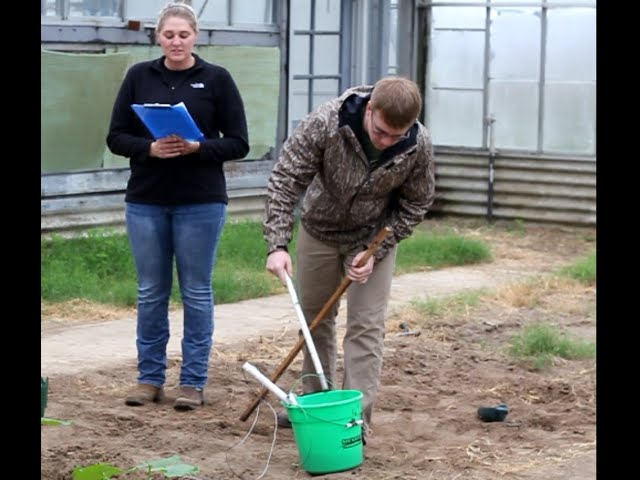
{"points": [[53, 421], [170, 467]]}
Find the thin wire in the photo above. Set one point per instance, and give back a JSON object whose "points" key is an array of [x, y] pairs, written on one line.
{"points": [[243, 439], [302, 377], [309, 415]]}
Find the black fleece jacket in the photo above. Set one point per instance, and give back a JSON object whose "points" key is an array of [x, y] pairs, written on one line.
{"points": [[212, 97]]}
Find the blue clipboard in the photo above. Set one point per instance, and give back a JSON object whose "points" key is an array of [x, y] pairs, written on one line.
{"points": [[162, 119]]}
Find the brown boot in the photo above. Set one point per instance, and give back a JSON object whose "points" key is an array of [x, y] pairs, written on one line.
{"points": [[189, 398], [144, 393]]}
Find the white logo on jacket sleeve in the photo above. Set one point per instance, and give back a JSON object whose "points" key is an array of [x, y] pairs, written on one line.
{"points": [[197, 85]]}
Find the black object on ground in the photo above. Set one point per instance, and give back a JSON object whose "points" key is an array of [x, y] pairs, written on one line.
{"points": [[493, 414]]}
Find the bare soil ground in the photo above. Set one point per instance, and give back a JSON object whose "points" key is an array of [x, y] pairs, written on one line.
{"points": [[425, 422]]}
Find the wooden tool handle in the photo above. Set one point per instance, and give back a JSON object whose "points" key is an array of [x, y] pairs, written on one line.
{"points": [[373, 246]]}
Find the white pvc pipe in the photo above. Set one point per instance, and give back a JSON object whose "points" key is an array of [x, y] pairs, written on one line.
{"points": [[273, 388], [307, 334]]}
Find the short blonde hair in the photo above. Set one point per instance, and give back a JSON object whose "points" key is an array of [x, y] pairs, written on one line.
{"points": [[180, 10]]}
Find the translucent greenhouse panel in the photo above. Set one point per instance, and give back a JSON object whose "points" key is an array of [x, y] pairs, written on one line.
{"points": [[523, 2], [570, 83], [570, 118], [326, 55], [455, 117], [514, 106], [457, 59], [392, 57], [299, 51], [253, 12], [76, 104], [327, 15], [571, 45], [48, 8], [515, 44], [458, 17], [585, 2], [514, 74], [299, 17], [94, 8], [147, 10], [324, 90], [299, 98], [213, 11]]}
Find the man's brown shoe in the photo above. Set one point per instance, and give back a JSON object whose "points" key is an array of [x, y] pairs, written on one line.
{"points": [[189, 398], [144, 393]]}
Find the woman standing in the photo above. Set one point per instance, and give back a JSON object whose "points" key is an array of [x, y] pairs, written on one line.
{"points": [[176, 200]]}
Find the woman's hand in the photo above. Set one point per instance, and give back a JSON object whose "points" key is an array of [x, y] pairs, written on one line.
{"points": [[172, 146]]}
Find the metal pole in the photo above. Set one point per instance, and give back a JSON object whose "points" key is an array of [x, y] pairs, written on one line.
{"points": [[492, 159]]}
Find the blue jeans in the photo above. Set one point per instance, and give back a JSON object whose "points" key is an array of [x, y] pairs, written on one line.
{"points": [[191, 234]]}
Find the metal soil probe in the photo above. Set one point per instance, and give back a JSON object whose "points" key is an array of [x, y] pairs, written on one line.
{"points": [[382, 234]]}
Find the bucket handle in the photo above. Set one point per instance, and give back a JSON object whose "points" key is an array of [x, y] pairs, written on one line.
{"points": [[299, 379], [352, 423]]}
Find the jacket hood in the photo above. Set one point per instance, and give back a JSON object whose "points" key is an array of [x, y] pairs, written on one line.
{"points": [[354, 100]]}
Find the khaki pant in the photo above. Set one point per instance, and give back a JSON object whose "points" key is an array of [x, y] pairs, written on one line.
{"points": [[320, 270]]}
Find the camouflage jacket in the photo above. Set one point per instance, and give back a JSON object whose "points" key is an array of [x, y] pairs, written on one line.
{"points": [[345, 202]]}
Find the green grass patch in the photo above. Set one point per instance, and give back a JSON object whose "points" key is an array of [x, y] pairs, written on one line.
{"points": [[538, 344], [452, 304], [98, 266], [170, 467], [425, 250], [516, 227], [53, 421], [583, 270]]}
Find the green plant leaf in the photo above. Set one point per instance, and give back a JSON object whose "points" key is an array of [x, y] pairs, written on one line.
{"points": [[53, 421], [171, 467], [97, 471]]}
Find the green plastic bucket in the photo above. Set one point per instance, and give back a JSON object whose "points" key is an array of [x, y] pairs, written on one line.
{"points": [[327, 427], [44, 391]]}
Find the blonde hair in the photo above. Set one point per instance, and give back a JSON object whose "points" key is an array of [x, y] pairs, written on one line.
{"points": [[398, 99], [180, 10]]}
